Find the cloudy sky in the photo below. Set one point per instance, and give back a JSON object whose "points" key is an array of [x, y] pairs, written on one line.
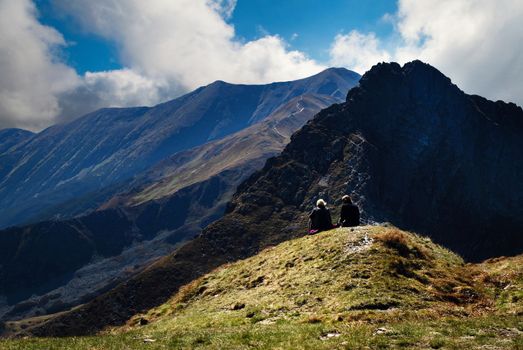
{"points": [[62, 58]]}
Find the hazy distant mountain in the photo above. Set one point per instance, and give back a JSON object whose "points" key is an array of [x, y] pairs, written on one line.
{"points": [[247, 150], [409, 146], [107, 147], [51, 265]]}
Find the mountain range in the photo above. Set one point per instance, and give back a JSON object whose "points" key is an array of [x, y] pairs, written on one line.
{"points": [[40, 174], [119, 188], [12, 137], [408, 145]]}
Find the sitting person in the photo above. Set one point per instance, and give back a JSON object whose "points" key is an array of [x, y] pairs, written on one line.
{"points": [[349, 214], [320, 218]]}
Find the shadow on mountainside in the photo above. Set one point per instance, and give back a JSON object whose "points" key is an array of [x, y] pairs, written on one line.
{"points": [[408, 146]]}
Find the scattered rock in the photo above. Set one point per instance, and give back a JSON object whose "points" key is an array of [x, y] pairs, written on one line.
{"points": [[382, 330], [301, 301], [255, 282], [149, 340], [330, 335], [238, 306], [467, 338], [143, 321], [349, 286], [267, 321], [358, 246]]}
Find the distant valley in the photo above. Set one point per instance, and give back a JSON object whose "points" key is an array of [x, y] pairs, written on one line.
{"points": [[144, 179]]}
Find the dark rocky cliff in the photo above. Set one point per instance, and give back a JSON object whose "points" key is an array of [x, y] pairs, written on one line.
{"points": [[408, 145], [412, 149]]}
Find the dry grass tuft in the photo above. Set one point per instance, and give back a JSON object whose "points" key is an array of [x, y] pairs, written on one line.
{"points": [[395, 239], [399, 241]]}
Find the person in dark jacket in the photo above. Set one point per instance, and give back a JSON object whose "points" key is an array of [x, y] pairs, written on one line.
{"points": [[320, 217], [349, 214]]}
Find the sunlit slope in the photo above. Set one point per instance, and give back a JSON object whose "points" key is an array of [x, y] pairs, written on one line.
{"points": [[367, 287]]}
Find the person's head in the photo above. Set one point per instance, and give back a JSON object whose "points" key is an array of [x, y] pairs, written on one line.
{"points": [[346, 199], [320, 203]]}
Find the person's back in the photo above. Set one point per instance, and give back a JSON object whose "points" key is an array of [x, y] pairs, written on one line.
{"points": [[320, 217], [349, 214]]}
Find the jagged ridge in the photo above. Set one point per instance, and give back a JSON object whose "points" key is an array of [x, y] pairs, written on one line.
{"points": [[408, 145]]}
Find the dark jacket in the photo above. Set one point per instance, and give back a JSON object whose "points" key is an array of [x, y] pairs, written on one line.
{"points": [[349, 215], [320, 219]]}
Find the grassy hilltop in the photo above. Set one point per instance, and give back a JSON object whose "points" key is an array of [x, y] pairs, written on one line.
{"points": [[370, 287]]}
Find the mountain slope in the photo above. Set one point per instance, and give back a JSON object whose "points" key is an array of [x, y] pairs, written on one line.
{"points": [[226, 162], [408, 145], [247, 149], [338, 273], [107, 147], [152, 213], [349, 288], [412, 149], [12, 137]]}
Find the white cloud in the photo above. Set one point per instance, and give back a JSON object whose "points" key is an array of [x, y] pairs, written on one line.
{"points": [[31, 76], [124, 87], [357, 51], [166, 47], [186, 43], [475, 42], [170, 47], [223, 7]]}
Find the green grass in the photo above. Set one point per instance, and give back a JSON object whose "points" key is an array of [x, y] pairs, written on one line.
{"points": [[232, 333], [352, 274], [368, 287]]}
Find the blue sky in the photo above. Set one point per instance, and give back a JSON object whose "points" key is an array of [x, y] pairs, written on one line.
{"points": [[85, 51], [316, 22], [64, 58], [306, 25]]}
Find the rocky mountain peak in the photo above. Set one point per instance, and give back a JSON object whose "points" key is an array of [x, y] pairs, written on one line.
{"points": [[422, 78], [413, 149]]}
